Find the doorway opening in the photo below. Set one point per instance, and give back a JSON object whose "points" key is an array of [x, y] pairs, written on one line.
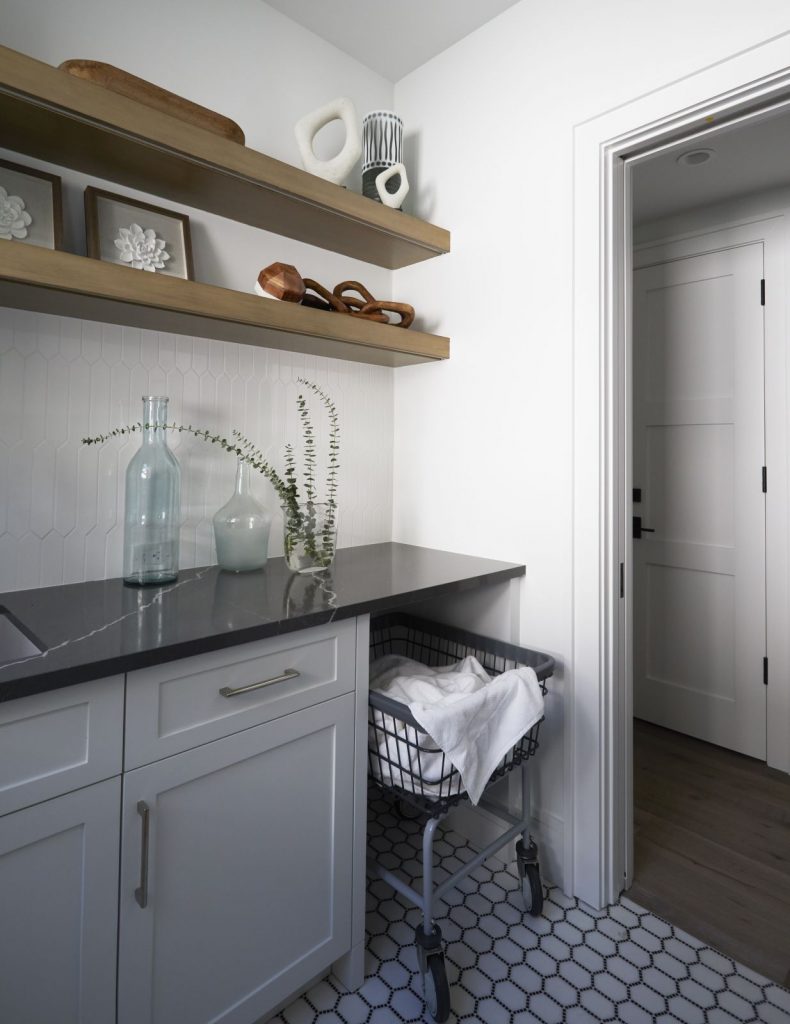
{"points": [[703, 493]]}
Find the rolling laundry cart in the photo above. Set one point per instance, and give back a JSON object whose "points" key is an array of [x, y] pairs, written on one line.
{"points": [[395, 746]]}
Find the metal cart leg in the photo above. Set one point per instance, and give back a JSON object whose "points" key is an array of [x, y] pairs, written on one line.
{"points": [[526, 803], [427, 874], [527, 854], [428, 937]]}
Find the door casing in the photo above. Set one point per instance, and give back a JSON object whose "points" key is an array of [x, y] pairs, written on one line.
{"points": [[599, 741]]}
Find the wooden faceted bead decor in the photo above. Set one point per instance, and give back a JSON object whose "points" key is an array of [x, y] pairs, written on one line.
{"points": [[280, 281]]}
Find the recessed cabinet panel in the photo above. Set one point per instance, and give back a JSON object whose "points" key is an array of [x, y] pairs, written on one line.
{"points": [[172, 707], [55, 742], [239, 892], [59, 900]]}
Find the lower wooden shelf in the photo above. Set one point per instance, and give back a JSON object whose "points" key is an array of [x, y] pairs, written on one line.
{"points": [[47, 281]]}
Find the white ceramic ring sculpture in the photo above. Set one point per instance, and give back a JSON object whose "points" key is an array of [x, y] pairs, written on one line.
{"points": [[393, 199], [339, 167]]}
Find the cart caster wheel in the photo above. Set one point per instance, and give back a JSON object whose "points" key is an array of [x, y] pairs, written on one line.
{"points": [[436, 988], [532, 890]]}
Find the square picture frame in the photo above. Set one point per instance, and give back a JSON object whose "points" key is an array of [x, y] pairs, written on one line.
{"points": [[139, 235], [31, 206]]}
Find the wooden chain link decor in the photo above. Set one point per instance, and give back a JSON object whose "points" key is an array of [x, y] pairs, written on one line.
{"points": [[283, 281]]}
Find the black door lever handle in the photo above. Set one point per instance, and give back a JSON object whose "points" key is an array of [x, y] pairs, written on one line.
{"points": [[638, 529]]}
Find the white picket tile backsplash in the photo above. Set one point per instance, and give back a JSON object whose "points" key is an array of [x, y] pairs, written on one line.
{"points": [[61, 503]]}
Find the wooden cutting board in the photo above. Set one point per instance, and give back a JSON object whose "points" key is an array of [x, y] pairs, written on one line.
{"points": [[152, 96]]}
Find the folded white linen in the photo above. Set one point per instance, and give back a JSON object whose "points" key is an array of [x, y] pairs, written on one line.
{"points": [[471, 717]]}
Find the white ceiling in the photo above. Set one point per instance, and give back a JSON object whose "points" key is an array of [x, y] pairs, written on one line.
{"points": [[393, 37], [748, 158]]}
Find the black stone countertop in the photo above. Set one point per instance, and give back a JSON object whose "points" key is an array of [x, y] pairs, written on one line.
{"points": [[91, 630]]}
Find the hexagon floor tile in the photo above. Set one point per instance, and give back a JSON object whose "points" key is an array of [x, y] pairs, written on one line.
{"points": [[572, 965]]}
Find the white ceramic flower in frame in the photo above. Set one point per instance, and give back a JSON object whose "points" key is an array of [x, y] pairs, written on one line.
{"points": [[14, 218], [339, 167], [141, 249]]}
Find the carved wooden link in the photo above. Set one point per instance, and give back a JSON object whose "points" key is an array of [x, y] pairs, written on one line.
{"points": [[283, 281]]}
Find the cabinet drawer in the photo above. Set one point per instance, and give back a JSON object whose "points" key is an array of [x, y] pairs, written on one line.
{"points": [[55, 742], [173, 707]]}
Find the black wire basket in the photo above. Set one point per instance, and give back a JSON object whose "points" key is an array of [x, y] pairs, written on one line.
{"points": [[402, 758]]}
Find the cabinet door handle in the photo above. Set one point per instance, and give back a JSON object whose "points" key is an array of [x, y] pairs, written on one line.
{"points": [[141, 892], [289, 673]]}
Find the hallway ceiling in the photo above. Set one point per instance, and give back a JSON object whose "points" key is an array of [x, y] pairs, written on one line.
{"points": [[392, 38], [748, 158]]}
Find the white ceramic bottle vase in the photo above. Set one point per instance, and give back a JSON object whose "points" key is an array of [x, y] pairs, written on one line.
{"points": [[382, 146], [241, 528]]}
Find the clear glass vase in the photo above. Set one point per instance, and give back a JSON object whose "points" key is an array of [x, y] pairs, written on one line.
{"points": [[152, 519], [241, 528], [310, 535]]}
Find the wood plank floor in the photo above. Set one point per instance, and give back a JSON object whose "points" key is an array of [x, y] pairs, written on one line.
{"points": [[712, 846]]}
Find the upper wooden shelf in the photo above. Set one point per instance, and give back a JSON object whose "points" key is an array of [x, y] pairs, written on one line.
{"points": [[53, 116], [48, 281]]}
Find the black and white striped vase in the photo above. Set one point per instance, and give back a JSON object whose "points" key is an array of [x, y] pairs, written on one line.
{"points": [[382, 146]]}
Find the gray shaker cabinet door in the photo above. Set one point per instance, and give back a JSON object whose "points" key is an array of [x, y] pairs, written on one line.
{"points": [[59, 909], [245, 878]]}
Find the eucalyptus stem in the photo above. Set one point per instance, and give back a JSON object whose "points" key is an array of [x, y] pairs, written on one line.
{"points": [[239, 447], [309, 448], [332, 469]]}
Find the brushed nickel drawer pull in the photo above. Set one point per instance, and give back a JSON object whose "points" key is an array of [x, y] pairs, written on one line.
{"points": [[141, 892], [289, 673]]}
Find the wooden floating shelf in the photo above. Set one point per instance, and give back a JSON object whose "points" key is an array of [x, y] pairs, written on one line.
{"points": [[48, 281], [49, 114]]}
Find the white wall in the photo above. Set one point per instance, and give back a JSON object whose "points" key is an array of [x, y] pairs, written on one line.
{"points": [[483, 445], [60, 379]]}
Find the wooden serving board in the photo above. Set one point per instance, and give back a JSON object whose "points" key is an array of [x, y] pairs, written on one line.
{"points": [[153, 96]]}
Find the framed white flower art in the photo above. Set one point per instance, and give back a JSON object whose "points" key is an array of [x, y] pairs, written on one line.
{"points": [[137, 235], [31, 206]]}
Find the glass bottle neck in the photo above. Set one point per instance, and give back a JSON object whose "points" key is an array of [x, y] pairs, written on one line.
{"points": [[242, 477], [154, 419]]}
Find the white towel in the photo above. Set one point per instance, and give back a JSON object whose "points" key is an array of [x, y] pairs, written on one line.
{"points": [[474, 719]]}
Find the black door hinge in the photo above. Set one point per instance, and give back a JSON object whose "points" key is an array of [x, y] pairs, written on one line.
{"points": [[765, 671], [765, 479], [762, 292], [622, 579]]}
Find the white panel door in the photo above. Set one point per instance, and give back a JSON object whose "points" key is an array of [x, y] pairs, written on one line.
{"points": [[59, 909], [699, 444], [241, 892]]}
